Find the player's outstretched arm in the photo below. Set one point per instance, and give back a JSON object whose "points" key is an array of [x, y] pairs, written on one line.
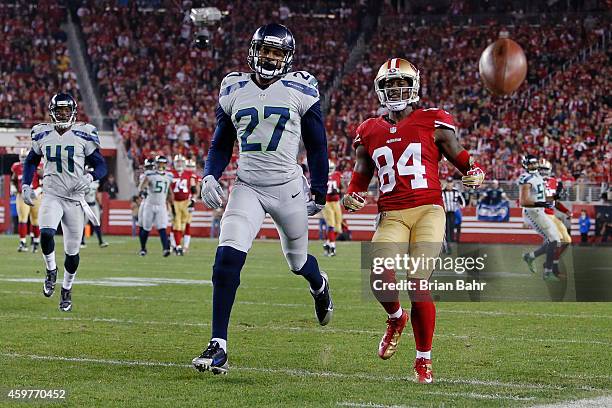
{"points": [[315, 142], [473, 175], [353, 200]]}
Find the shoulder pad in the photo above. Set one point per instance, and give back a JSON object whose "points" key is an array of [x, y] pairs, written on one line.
{"points": [[41, 130], [86, 131], [232, 82], [301, 81], [149, 172]]}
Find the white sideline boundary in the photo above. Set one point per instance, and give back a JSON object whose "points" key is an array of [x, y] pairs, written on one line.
{"points": [[301, 373], [298, 329]]}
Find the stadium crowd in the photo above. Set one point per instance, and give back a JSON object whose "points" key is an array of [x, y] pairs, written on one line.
{"points": [[162, 91], [34, 61], [563, 121]]}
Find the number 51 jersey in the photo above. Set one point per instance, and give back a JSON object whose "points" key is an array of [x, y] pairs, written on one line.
{"points": [[268, 124], [406, 157]]}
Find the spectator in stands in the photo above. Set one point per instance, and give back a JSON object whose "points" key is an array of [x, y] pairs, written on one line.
{"points": [[585, 225], [111, 187], [494, 195]]}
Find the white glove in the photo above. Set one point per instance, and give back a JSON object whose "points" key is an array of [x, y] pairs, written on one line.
{"points": [[82, 185], [312, 208], [353, 202], [28, 195], [474, 177], [212, 192], [13, 189]]}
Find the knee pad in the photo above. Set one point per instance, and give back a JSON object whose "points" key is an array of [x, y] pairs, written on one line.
{"points": [[71, 263], [296, 261], [227, 267], [47, 242]]}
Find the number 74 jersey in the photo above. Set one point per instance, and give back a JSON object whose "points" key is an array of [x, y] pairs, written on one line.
{"points": [[406, 157]]}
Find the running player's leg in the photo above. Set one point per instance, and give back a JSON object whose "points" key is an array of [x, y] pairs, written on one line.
{"points": [[240, 225], [289, 214], [72, 229], [51, 212], [160, 220], [23, 212], [427, 235], [146, 220]]}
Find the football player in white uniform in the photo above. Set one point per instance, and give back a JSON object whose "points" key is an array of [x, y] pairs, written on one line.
{"points": [[532, 197], [156, 183], [65, 148], [149, 165], [93, 201], [268, 112]]}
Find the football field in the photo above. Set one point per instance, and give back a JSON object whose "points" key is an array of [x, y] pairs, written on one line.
{"points": [[137, 323]]}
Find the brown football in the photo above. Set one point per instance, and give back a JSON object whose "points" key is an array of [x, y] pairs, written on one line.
{"points": [[503, 66]]}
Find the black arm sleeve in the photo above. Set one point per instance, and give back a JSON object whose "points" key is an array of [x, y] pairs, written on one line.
{"points": [[97, 162], [221, 146], [315, 141], [29, 167]]}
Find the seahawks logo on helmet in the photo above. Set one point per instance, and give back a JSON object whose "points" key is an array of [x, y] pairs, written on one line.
{"points": [[273, 36], [63, 110]]}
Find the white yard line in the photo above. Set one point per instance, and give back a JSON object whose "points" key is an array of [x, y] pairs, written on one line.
{"points": [[298, 329], [599, 402], [305, 373]]}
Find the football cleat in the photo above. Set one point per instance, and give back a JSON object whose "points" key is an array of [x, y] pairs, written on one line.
{"points": [[23, 247], [103, 244], [324, 306], [326, 248], [550, 277], [49, 285], [332, 251], [388, 344], [423, 374], [143, 252], [179, 251], [83, 245], [529, 260], [213, 358], [65, 304], [166, 253], [34, 247]]}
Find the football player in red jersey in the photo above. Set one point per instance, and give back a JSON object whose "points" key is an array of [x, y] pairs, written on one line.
{"points": [[183, 186], [191, 166], [24, 211], [403, 149], [332, 211]]}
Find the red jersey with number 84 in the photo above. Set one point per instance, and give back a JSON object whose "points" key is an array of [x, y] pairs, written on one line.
{"points": [[406, 157]]}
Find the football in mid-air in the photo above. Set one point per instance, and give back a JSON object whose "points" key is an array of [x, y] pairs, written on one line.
{"points": [[503, 66]]}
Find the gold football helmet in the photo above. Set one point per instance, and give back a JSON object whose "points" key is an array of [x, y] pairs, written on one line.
{"points": [[544, 167], [179, 162], [397, 98]]}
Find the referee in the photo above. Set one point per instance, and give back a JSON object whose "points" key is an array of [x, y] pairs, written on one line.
{"points": [[453, 200]]}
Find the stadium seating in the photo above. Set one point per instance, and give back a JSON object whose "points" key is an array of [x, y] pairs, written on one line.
{"points": [[162, 92], [34, 61]]}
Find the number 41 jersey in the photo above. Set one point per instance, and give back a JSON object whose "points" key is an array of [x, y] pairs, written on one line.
{"points": [[406, 157], [268, 124]]}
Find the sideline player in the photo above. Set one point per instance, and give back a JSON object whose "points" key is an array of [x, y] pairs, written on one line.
{"points": [[191, 166], [269, 112], [156, 183], [332, 211], [183, 186], [532, 197], [65, 148], [24, 211], [551, 184], [403, 148]]}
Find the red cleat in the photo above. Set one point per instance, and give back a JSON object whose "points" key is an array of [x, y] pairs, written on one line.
{"points": [[388, 344], [423, 373]]}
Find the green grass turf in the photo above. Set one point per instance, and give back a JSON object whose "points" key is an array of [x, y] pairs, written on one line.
{"points": [[132, 345]]}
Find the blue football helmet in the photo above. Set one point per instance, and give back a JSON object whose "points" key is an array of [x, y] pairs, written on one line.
{"points": [[63, 118], [530, 163], [274, 36]]}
